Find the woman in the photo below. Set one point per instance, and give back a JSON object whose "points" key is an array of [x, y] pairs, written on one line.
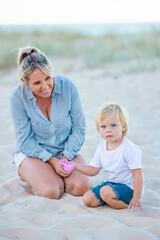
{"points": [[49, 126]]}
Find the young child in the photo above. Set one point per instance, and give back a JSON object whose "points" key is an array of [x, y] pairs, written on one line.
{"points": [[119, 158]]}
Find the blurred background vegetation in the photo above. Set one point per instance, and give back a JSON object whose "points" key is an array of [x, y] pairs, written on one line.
{"points": [[93, 51]]}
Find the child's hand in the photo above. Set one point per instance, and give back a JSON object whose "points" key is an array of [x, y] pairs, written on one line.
{"points": [[135, 204]]}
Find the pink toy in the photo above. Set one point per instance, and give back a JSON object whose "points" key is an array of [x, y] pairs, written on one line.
{"points": [[67, 166]]}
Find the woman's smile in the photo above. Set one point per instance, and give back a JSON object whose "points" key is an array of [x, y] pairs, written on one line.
{"points": [[45, 91]]}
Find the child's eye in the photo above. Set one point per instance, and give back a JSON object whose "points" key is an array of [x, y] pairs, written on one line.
{"points": [[103, 126], [47, 78], [113, 125]]}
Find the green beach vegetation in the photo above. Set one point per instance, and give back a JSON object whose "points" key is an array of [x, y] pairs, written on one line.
{"points": [[93, 51]]}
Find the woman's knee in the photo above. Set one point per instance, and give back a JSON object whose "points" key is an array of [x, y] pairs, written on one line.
{"points": [[48, 192], [76, 189], [77, 185]]}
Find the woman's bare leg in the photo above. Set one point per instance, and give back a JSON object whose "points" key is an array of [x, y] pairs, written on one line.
{"points": [[41, 177], [77, 183], [109, 196]]}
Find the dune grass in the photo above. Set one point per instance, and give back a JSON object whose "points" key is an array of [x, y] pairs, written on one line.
{"points": [[93, 51]]}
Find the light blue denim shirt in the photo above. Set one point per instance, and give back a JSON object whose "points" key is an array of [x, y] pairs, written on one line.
{"points": [[38, 137]]}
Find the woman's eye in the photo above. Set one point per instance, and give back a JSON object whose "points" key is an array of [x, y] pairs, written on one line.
{"points": [[36, 83]]}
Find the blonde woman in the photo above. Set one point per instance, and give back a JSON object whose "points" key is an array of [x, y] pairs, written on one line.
{"points": [[119, 158], [49, 126]]}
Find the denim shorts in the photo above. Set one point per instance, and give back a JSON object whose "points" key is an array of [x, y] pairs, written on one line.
{"points": [[123, 192]]}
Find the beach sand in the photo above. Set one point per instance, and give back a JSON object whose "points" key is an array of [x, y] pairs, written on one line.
{"points": [[24, 216]]}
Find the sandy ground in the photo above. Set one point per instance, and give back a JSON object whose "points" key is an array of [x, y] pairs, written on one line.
{"points": [[24, 217]]}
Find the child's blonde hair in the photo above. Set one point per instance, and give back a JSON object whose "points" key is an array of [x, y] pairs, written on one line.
{"points": [[113, 109]]}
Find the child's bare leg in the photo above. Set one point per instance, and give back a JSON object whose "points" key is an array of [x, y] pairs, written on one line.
{"points": [[109, 196], [90, 199]]}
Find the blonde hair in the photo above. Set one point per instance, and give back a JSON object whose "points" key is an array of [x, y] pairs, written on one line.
{"points": [[31, 58], [113, 109]]}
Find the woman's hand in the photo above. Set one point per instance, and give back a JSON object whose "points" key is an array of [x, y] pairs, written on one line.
{"points": [[63, 158], [68, 164], [58, 167]]}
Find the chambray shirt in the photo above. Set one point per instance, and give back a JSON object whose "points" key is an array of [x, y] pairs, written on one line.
{"points": [[38, 137]]}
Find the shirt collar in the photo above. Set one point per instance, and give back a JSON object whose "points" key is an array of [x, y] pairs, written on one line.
{"points": [[28, 92], [57, 89], [57, 85]]}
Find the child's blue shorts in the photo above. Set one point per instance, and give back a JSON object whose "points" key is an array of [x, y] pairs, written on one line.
{"points": [[123, 192]]}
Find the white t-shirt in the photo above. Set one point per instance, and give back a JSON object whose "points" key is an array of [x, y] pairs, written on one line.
{"points": [[118, 163]]}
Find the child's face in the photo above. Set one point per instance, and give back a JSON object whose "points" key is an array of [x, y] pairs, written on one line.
{"points": [[111, 129]]}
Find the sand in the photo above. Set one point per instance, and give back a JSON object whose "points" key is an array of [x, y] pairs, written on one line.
{"points": [[24, 216]]}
